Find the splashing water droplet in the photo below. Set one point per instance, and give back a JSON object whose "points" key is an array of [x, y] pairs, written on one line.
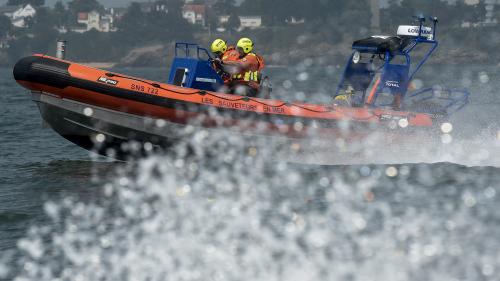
{"points": [[148, 146], [446, 139], [446, 128], [304, 76], [483, 77], [100, 138], [403, 123], [417, 84], [490, 192], [391, 172], [287, 84], [88, 111], [160, 123], [469, 199], [488, 269]]}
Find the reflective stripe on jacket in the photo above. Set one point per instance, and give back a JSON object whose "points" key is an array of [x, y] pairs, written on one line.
{"points": [[252, 73]]}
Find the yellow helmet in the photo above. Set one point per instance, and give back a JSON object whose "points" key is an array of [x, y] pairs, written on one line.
{"points": [[245, 44], [219, 46]]}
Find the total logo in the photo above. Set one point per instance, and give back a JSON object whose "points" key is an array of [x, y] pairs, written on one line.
{"points": [[414, 30], [392, 84], [107, 81]]}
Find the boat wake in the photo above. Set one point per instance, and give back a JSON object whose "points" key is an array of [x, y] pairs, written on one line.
{"points": [[479, 150], [223, 208]]}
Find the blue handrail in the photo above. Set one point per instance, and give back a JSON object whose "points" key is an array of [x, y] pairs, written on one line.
{"points": [[186, 47], [434, 44], [456, 98]]}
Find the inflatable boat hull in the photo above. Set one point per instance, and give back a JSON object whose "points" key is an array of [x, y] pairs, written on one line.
{"points": [[104, 111]]}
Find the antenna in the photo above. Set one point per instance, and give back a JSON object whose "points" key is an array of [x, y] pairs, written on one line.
{"points": [[421, 20], [435, 21]]}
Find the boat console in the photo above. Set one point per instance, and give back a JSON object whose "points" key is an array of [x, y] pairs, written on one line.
{"points": [[192, 68], [380, 70]]}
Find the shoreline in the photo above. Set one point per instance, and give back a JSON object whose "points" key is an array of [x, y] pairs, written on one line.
{"points": [[110, 65], [103, 65]]}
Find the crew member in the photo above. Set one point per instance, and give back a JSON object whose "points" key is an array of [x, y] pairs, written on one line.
{"points": [[247, 68], [223, 52]]}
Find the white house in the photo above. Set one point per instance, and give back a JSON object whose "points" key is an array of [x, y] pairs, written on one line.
{"points": [[107, 23], [490, 6], [194, 14], [94, 20], [19, 14], [251, 22], [295, 21]]}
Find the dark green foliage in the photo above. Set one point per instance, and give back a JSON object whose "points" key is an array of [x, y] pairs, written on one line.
{"points": [[24, 2], [138, 28], [450, 15], [225, 7], [5, 26], [61, 14], [327, 24], [94, 46], [77, 6], [43, 27], [39, 36], [233, 22]]}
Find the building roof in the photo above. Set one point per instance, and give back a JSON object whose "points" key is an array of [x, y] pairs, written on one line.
{"points": [[83, 16], [197, 9], [250, 17], [24, 12]]}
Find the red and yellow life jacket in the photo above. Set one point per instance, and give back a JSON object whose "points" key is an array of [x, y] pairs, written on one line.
{"points": [[252, 74]]}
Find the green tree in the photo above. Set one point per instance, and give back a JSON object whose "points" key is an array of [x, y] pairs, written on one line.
{"points": [[212, 20], [451, 15], [85, 6], [175, 11], [60, 14], [273, 12], [133, 23], [225, 7], [24, 2], [5, 26], [233, 22], [475, 13], [44, 31], [137, 27], [496, 14]]}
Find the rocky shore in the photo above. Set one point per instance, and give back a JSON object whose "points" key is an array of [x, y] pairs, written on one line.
{"points": [[161, 55]]}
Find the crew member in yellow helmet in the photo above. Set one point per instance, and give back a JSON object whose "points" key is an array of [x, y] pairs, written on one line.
{"points": [[246, 76], [222, 51]]}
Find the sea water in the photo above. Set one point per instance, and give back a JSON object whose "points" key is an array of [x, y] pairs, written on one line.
{"points": [[219, 208]]}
